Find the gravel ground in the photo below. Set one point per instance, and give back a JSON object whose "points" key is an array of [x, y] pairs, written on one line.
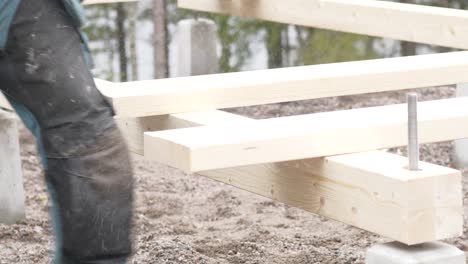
{"points": [[190, 219]]}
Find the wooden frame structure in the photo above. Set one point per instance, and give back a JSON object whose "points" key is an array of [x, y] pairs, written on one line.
{"points": [[372, 190], [175, 121], [328, 163]]}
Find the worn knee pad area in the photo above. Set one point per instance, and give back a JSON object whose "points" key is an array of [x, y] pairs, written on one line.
{"points": [[95, 199], [106, 162]]}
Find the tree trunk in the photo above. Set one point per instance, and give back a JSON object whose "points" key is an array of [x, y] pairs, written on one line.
{"points": [[274, 45], [160, 39], [287, 47], [407, 48], [110, 44], [225, 39], [133, 41], [121, 35]]}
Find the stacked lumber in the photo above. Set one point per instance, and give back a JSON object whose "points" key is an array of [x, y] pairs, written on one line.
{"points": [[330, 163]]}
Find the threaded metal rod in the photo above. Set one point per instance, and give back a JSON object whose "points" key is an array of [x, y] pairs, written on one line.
{"points": [[413, 144]]}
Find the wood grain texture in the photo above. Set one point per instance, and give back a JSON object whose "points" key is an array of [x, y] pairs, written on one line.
{"points": [[216, 91], [133, 129], [372, 190], [415, 23], [306, 136]]}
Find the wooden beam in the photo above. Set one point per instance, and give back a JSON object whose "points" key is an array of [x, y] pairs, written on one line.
{"points": [[416, 23], [133, 129], [371, 190], [306, 136], [216, 91]]}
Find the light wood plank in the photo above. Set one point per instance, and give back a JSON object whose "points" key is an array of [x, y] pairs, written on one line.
{"points": [[416, 23], [306, 136], [208, 92], [371, 190], [133, 129]]}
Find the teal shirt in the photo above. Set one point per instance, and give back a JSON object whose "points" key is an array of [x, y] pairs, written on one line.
{"points": [[7, 12]]}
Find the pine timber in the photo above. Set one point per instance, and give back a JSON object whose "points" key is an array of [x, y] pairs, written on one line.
{"points": [[216, 91], [306, 136], [133, 129], [410, 22], [371, 191]]}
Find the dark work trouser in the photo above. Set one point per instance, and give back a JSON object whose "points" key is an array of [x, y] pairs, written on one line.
{"points": [[87, 167]]}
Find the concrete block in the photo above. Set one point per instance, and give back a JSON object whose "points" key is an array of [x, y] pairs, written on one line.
{"points": [[12, 208], [196, 47], [427, 253], [460, 147]]}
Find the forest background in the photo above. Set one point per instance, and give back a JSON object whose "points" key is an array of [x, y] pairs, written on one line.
{"points": [[136, 41]]}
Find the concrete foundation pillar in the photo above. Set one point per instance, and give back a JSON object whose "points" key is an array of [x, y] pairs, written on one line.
{"points": [[12, 207], [427, 253], [196, 47], [460, 148]]}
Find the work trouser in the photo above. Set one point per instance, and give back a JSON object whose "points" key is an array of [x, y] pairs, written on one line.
{"points": [[86, 163]]}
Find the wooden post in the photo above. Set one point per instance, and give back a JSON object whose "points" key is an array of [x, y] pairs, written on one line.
{"points": [[160, 40], [11, 180]]}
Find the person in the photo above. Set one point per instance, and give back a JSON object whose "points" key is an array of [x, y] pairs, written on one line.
{"points": [[44, 73]]}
